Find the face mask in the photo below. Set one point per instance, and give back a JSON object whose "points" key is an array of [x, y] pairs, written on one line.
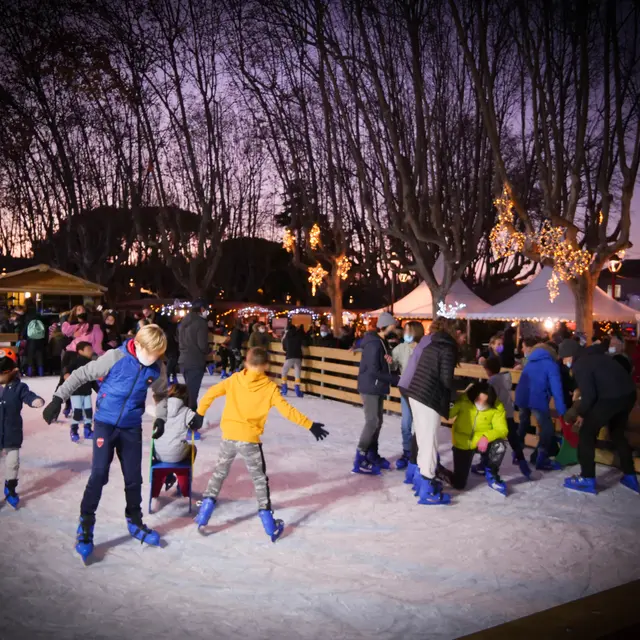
{"points": [[324, 334], [204, 314], [262, 330], [481, 407], [568, 365], [499, 348], [612, 350], [144, 358], [408, 338]]}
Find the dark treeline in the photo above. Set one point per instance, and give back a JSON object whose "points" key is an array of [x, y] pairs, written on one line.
{"points": [[391, 124]]}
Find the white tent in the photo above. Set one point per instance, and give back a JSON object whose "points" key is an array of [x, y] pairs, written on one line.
{"points": [[418, 304], [532, 303]]}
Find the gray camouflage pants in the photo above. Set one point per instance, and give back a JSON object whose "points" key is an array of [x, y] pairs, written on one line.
{"points": [[253, 458]]}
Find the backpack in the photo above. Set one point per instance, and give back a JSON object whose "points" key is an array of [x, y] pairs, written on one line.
{"points": [[35, 330]]}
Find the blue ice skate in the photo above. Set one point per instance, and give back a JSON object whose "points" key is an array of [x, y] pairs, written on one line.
{"points": [[361, 464], [631, 482], [88, 433], [545, 463], [204, 514], [495, 482], [211, 369], [578, 483], [431, 493], [408, 474], [525, 470], [273, 528], [73, 434], [10, 493], [84, 537], [224, 375], [298, 391], [375, 458], [403, 461], [141, 532], [284, 389]]}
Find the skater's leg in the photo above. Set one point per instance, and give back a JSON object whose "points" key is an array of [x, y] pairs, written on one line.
{"points": [[39, 356], [591, 425], [297, 370], [371, 421], [514, 440], [254, 459], [11, 464], [617, 427], [524, 425], [286, 367], [405, 424], [129, 450], [226, 456], [494, 455], [379, 417], [87, 408], [462, 459], [193, 379], [547, 430], [414, 449], [77, 406], [103, 449], [425, 423]]}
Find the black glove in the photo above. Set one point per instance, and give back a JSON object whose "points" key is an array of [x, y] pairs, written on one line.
{"points": [[52, 410], [319, 431], [196, 422], [158, 428]]}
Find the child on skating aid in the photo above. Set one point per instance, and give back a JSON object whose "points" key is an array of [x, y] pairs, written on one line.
{"points": [[13, 394], [170, 440], [480, 426], [81, 398], [127, 373], [250, 394]]}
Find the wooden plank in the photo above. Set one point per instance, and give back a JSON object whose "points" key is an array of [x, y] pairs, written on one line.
{"points": [[8, 338]]}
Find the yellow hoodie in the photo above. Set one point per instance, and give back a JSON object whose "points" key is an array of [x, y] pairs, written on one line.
{"points": [[250, 396]]}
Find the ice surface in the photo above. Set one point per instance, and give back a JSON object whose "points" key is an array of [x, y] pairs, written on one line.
{"points": [[359, 558]]}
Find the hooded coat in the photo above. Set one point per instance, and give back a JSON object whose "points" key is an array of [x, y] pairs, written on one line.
{"points": [[374, 376], [172, 446], [540, 381], [193, 341], [12, 396]]}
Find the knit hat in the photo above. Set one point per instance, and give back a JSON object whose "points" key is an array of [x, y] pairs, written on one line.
{"points": [[385, 320], [569, 349], [198, 303]]}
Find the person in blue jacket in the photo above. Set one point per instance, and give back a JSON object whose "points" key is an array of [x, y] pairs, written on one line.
{"points": [[374, 383], [127, 373], [540, 381], [13, 394]]}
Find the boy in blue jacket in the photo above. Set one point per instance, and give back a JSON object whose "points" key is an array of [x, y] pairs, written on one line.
{"points": [[539, 382], [13, 394], [374, 383], [127, 373]]}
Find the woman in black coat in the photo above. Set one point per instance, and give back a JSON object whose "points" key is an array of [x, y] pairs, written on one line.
{"points": [[429, 394]]}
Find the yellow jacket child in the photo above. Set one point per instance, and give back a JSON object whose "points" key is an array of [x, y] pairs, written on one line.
{"points": [[250, 395], [472, 424]]}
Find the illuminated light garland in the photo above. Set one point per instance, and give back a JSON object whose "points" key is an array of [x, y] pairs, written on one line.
{"points": [[600, 218], [256, 311], [549, 241], [316, 275], [450, 311], [343, 265], [288, 241], [302, 311], [314, 236]]}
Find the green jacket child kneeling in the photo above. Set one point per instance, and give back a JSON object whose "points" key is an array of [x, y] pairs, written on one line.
{"points": [[480, 426]]}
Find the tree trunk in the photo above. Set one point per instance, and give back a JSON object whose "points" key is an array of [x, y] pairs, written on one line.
{"points": [[583, 289], [335, 293], [436, 297]]}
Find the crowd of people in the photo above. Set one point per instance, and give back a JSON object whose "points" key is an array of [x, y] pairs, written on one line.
{"points": [[590, 387]]}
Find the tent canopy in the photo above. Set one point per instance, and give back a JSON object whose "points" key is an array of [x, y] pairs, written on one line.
{"points": [[418, 304], [532, 303], [44, 279]]}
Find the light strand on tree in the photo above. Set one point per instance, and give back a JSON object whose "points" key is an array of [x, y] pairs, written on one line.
{"points": [[549, 242], [450, 311], [343, 266], [314, 236], [288, 241], [316, 275]]}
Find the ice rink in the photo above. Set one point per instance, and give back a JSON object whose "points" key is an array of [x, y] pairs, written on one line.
{"points": [[358, 559]]}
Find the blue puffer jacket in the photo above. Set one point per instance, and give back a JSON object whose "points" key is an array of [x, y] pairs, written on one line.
{"points": [[375, 377], [123, 392], [540, 381]]}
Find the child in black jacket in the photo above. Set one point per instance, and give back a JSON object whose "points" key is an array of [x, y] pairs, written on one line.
{"points": [[13, 394]]}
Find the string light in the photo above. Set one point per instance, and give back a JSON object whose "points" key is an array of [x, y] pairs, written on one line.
{"points": [[343, 266], [314, 236], [288, 241], [550, 243], [450, 311], [600, 218], [316, 275]]}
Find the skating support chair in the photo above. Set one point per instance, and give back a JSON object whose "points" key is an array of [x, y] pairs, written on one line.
{"points": [[159, 472]]}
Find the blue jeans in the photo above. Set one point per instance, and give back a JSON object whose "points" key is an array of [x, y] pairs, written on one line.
{"points": [[127, 443], [406, 424], [547, 430]]}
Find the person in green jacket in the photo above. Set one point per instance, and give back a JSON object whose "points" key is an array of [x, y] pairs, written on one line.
{"points": [[480, 426]]}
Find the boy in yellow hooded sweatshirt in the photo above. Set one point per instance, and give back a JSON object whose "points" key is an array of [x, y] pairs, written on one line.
{"points": [[250, 394]]}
